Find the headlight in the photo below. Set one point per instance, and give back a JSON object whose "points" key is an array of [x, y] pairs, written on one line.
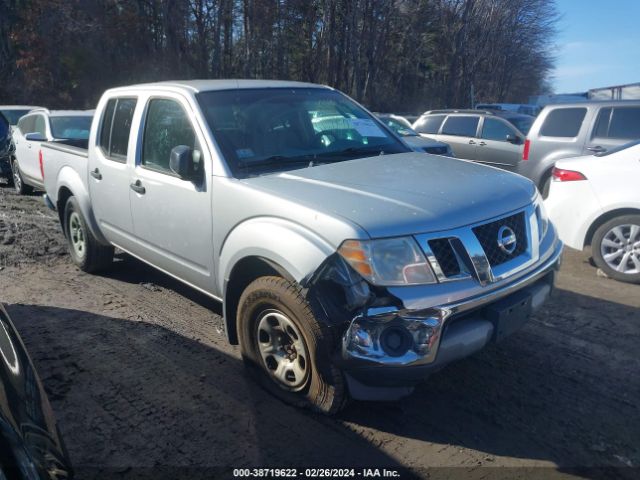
{"points": [[388, 261], [541, 216]]}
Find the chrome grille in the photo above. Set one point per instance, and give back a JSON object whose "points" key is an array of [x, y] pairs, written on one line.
{"points": [[487, 235], [446, 257]]}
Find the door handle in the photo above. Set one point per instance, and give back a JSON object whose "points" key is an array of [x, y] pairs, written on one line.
{"points": [[472, 142], [96, 174], [597, 149], [138, 188], [482, 144]]}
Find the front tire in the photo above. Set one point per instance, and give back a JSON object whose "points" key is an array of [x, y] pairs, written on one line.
{"points": [[20, 187], [286, 348], [86, 253], [616, 248]]}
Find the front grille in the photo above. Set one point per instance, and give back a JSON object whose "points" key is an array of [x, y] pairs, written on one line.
{"points": [[446, 257], [487, 235], [436, 150]]}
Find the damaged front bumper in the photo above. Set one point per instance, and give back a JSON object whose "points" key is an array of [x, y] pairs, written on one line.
{"points": [[398, 347]]}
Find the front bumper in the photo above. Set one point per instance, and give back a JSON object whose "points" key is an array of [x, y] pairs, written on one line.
{"points": [[439, 335]]}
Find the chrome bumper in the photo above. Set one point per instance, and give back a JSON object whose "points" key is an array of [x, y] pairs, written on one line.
{"points": [[409, 337]]}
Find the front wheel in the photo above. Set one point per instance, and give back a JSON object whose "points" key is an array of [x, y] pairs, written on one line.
{"points": [[616, 248], [19, 185], [88, 255], [286, 348]]}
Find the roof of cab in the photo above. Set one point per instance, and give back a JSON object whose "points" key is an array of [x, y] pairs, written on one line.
{"points": [[197, 86]]}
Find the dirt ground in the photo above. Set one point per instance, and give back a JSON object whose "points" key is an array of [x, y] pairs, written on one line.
{"points": [[144, 385]]}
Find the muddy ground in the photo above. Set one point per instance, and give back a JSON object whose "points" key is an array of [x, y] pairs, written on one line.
{"points": [[145, 386]]}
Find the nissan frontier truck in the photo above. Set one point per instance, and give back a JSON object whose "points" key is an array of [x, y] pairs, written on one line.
{"points": [[348, 266]]}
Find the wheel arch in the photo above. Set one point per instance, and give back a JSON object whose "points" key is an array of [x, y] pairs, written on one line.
{"points": [[70, 184], [605, 217], [266, 246], [243, 273]]}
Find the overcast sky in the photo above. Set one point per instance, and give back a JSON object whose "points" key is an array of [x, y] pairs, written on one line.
{"points": [[598, 44]]}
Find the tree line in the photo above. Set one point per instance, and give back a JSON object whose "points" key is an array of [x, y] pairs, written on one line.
{"points": [[391, 55]]}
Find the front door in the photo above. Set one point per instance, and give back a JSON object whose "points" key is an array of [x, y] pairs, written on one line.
{"points": [[110, 173], [172, 215]]}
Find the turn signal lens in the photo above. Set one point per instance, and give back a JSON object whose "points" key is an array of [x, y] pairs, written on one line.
{"points": [[388, 261]]}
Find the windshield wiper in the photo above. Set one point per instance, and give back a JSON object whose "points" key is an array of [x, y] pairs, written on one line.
{"points": [[353, 151], [278, 161]]}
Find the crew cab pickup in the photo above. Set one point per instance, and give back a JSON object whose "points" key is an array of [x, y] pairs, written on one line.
{"points": [[348, 266]]}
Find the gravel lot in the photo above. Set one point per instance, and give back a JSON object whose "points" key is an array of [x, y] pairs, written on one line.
{"points": [[143, 382]]}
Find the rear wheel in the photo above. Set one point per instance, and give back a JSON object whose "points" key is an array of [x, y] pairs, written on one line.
{"points": [[286, 348], [19, 185], [616, 248], [88, 255]]}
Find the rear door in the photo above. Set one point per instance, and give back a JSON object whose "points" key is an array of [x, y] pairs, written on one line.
{"points": [[171, 215], [109, 172], [460, 131], [613, 126], [29, 162], [493, 147]]}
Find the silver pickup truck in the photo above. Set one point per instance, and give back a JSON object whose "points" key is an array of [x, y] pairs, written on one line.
{"points": [[348, 266]]}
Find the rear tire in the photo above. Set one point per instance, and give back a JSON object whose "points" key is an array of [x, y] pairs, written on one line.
{"points": [[86, 253], [286, 349], [615, 248], [18, 183]]}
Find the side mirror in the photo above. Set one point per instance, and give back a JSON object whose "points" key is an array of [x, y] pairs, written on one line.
{"points": [[183, 163], [513, 139], [35, 137]]}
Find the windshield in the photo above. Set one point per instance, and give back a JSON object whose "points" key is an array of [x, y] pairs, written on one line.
{"points": [[14, 115], [399, 127], [619, 148], [522, 123], [72, 128], [285, 128]]}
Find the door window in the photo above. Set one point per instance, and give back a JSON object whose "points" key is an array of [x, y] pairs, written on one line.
{"points": [[27, 124], [563, 122], [429, 124], [463, 126], [166, 127], [625, 123], [493, 129], [39, 126], [116, 128]]}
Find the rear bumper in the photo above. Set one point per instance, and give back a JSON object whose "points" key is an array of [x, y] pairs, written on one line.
{"points": [[451, 331]]}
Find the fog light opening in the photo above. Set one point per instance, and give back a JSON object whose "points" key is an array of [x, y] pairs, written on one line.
{"points": [[395, 341]]}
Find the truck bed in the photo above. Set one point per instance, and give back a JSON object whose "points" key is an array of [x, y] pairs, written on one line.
{"points": [[63, 162]]}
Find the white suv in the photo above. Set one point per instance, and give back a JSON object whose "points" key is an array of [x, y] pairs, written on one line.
{"points": [[41, 125]]}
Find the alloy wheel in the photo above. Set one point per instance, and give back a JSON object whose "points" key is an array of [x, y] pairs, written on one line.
{"points": [[620, 248]]}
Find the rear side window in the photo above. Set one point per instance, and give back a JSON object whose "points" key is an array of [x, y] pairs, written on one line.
{"points": [[493, 129], [116, 127], [563, 122], [462, 126], [429, 124]]}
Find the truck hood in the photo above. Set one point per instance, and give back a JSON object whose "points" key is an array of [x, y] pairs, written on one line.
{"points": [[402, 194]]}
